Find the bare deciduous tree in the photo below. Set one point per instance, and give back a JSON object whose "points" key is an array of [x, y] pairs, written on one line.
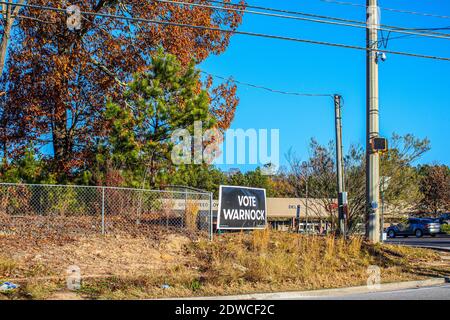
{"points": [[319, 173], [435, 187]]}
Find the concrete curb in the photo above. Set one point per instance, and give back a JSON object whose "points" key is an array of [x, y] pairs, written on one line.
{"points": [[327, 292], [444, 249]]}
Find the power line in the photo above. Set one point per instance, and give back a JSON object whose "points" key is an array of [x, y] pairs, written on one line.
{"points": [[388, 9], [321, 16], [361, 25], [395, 29], [302, 94], [247, 33], [384, 41], [28, 18], [231, 79], [246, 6]]}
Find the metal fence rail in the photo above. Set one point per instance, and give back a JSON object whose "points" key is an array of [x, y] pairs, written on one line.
{"points": [[39, 210]]}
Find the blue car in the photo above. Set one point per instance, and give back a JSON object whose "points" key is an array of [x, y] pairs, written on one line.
{"points": [[444, 218], [414, 227]]}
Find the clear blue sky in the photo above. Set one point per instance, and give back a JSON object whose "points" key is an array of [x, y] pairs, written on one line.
{"points": [[414, 93]]}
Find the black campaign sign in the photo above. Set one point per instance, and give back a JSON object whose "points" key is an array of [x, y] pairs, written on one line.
{"points": [[242, 208]]}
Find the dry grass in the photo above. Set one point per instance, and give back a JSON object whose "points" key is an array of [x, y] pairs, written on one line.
{"points": [[260, 261], [6, 266], [192, 210]]}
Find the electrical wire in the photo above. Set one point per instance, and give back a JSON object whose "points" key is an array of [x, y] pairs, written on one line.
{"points": [[384, 41], [231, 79], [388, 9], [247, 33], [319, 16], [28, 18], [246, 6], [361, 26], [302, 94]]}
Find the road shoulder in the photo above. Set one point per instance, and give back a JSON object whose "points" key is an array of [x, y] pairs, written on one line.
{"points": [[327, 292]]}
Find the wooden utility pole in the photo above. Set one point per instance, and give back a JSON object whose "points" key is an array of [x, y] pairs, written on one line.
{"points": [[372, 125], [340, 165]]}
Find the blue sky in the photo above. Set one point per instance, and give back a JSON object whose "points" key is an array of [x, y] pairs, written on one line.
{"points": [[414, 93]]}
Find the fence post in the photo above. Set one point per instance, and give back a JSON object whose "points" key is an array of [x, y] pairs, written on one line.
{"points": [[167, 218], [211, 216], [103, 210], [185, 209]]}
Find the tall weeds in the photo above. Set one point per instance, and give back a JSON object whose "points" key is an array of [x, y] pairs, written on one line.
{"points": [[273, 257], [260, 240], [192, 210]]}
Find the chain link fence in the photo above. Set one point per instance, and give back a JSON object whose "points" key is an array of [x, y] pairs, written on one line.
{"points": [[40, 210]]}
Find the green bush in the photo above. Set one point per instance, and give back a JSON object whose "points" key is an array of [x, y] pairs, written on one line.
{"points": [[445, 228]]}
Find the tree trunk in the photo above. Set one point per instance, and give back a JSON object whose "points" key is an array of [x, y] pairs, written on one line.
{"points": [[59, 140], [6, 33], [4, 44], [62, 139], [9, 13]]}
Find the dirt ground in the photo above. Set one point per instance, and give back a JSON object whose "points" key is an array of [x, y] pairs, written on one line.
{"points": [[95, 255], [174, 265]]}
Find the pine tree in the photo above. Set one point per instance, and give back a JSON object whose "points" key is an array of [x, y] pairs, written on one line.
{"points": [[158, 102]]}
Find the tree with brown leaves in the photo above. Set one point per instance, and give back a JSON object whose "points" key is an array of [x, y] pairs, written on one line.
{"points": [[58, 80]]}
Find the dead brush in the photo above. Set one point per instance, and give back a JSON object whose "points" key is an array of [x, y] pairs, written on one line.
{"points": [[341, 247], [313, 246], [260, 261], [311, 257], [6, 266], [330, 245], [281, 266], [192, 210], [258, 271], [261, 239], [354, 246], [288, 243]]}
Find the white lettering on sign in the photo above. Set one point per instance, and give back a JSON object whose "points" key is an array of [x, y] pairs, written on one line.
{"points": [[247, 201], [244, 214]]}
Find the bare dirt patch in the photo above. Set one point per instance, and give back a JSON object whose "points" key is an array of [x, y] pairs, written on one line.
{"points": [[174, 265], [96, 255]]}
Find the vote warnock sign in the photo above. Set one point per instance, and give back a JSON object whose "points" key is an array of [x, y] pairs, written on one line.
{"points": [[241, 208]]}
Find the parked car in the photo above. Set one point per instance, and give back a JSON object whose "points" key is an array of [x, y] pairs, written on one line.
{"points": [[414, 227], [444, 218]]}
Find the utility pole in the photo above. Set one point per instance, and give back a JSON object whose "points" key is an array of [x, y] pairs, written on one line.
{"points": [[372, 126], [339, 164]]}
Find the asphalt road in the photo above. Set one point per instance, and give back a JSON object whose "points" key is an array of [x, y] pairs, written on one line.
{"points": [[438, 242], [441, 292]]}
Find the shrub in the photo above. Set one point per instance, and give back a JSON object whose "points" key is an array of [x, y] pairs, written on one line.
{"points": [[445, 228]]}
